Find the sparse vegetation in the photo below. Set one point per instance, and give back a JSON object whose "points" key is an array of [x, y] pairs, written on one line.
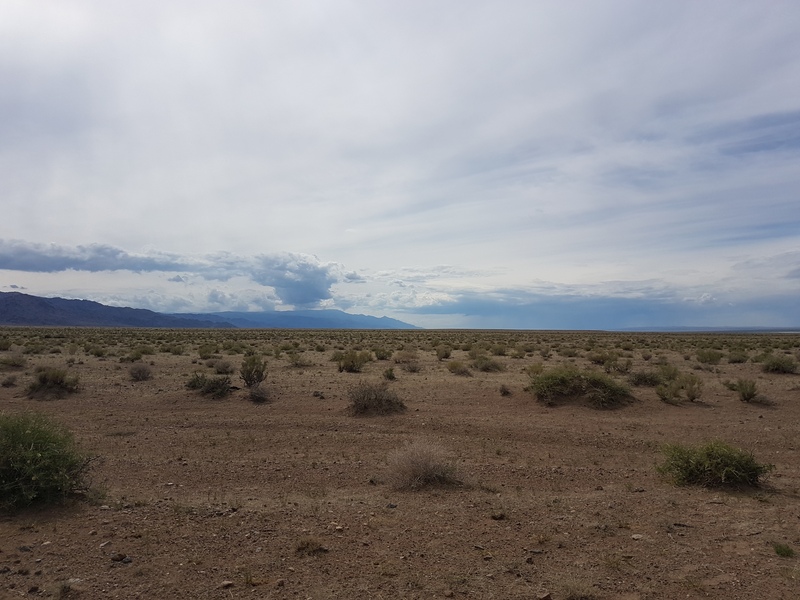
{"points": [[713, 464], [352, 361], [564, 384], [216, 387], [456, 367], [39, 461], [779, 364], [253, 370], [52, 383], [783, 550], [140, 372], [374, 399]]}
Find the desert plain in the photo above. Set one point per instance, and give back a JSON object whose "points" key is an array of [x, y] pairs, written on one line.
{"points": [[292, 496]]}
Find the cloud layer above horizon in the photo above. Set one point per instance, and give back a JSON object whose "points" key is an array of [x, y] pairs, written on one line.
{"points": [[452, 164]]}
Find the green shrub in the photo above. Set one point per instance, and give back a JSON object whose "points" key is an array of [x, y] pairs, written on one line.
{"points": [[206, 351], [223, 367], [487, 365], [737, 357], [443, 352], [14, 361], [459, 368], [709, 356], [712, 464], [258, 393], [389, 375], [253, 370], [353, 361], [645, 378], [421, 464], [783, 550], [52, 383], [567, 383], [383, 353], [374, 399], [779, 364], [216, 387], [140, 372], [39, 461], [747, 389], [5, 344]]}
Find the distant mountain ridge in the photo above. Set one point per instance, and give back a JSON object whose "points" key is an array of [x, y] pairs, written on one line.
{"points": [[21, 309]]}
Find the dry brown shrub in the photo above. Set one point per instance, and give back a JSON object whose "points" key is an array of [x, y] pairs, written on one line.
{"points": [[421, 464]]}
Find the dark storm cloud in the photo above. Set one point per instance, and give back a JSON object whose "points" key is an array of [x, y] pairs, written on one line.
{"points": [[297, 279]]}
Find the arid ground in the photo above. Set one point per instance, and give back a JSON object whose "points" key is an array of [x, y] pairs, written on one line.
{"points": [[197, 497]]}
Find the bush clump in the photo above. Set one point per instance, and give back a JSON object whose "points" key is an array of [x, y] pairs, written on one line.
{"points": [[216, 387], [140, 372], [487, 365], [253, 370], [779, 364], [421, 464], [456, 367], [564, 384], [352, 361], [39, 461], [712, 464], [374, 399], [52, 383]]}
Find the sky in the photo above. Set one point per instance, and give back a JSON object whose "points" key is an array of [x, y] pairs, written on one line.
{"points": [[527, 164]]}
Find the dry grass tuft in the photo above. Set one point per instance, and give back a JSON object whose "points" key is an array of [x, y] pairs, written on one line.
{"points": [[421, 464]]}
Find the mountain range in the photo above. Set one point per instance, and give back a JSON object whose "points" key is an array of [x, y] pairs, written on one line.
{"points": [[21, 309]]}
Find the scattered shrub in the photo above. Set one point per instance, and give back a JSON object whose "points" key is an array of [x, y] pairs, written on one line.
{"points": [[420, 464], [382, 353], [352, 361], [709, 356], [411, 367], [645, 378], [389, 375], [737, 357], [456, 367], [140, 372], [783, 550], [253, 370], [223, 367], [747, 389], [52, 383], [14, 361], [505, 390], [216, 387], [258, 393], [443, 352], [487, 365], [9, 381], [779, 364], [206, 351], [713, 464], [567, 383], [39, 461], [374, 399], [297, 360], [405, 356]]}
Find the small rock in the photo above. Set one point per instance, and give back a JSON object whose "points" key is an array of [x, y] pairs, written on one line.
{"points": [[34, 589], [118, 557], [280, 583], [637, 536], [226, 584], [449, 594], [391, 505], [544, 596]]}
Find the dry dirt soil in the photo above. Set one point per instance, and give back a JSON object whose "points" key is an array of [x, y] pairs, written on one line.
{"points": [[225, 498]]}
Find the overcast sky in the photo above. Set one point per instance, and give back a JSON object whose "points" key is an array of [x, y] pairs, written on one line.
{"points": [[455, 163]]}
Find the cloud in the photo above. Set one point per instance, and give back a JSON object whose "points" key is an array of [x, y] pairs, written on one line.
{"points": [[298, 280]]}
